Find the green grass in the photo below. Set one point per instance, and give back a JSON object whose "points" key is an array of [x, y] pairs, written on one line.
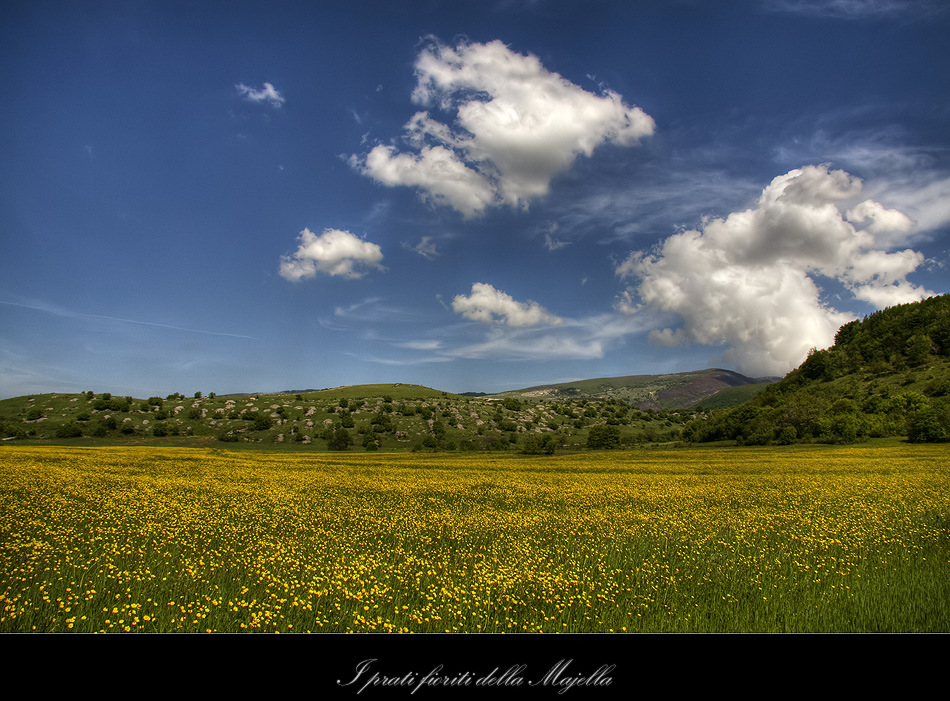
{"points": [[731, 396]]}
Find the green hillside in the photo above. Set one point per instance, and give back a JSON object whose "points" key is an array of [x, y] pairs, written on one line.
{"points": [[670, 392], [389, 417], [886, 375]]}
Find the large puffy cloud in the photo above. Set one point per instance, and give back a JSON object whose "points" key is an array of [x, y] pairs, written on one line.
{"points": [[334, 252], [517, 125], [489, 305], [746, 281]]}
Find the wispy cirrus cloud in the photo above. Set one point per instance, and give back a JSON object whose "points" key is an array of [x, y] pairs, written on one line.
{"points": [[854, 9], [587, 338], [913, 178], [56, 310]]}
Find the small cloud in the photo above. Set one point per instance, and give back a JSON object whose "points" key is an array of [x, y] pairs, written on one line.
{"points": [[553, 244], [421, 345], [268, 94], [425, 248], [489, 305], [334, 252]]}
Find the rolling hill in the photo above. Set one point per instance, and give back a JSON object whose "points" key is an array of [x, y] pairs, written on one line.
{"points": [[673, 391], [886, 375]]}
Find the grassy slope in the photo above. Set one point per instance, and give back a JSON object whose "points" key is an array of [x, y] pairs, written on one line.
{"points": [[671, 391], [731, 396]]}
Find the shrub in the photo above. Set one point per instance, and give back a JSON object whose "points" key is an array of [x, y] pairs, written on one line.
{"points": [[262, 422], [929, 426], [540, 444], [339, 439], [603, 437], [70, 430]]}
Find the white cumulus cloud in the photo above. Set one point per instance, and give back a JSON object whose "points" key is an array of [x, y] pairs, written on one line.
{"points": [[747, 281], [334, 252], [268, 94], [489, 305], [516, 126]]}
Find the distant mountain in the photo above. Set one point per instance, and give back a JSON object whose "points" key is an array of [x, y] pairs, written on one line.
{"points": [[886, 375], [673, 391]]}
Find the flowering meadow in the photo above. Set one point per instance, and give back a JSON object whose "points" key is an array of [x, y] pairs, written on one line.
{"points": [[784, 539]]}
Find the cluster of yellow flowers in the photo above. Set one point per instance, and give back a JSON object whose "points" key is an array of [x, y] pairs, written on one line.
{"points": [[798, 538]]}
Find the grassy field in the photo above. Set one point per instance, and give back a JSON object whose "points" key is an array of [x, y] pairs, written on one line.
{"points": [[799, 538]]}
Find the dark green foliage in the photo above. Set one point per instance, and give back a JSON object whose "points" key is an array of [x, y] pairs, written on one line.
{"points": [[339, 439], [109, 404], [603, 437], [930, 425], [70, 430], [540, 444], [262, 421], [875, 381], [511, 404]]}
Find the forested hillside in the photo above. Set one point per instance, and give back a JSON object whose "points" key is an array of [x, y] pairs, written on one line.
{"points": [[886, 375]]}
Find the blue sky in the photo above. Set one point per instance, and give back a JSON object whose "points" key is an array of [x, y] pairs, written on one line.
{"points": [[247, 196]]}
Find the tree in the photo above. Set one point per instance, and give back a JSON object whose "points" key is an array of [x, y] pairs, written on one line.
{"points": [[929, 426], [603, 437], [540, 444], [340, 439], [262, 422]]}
